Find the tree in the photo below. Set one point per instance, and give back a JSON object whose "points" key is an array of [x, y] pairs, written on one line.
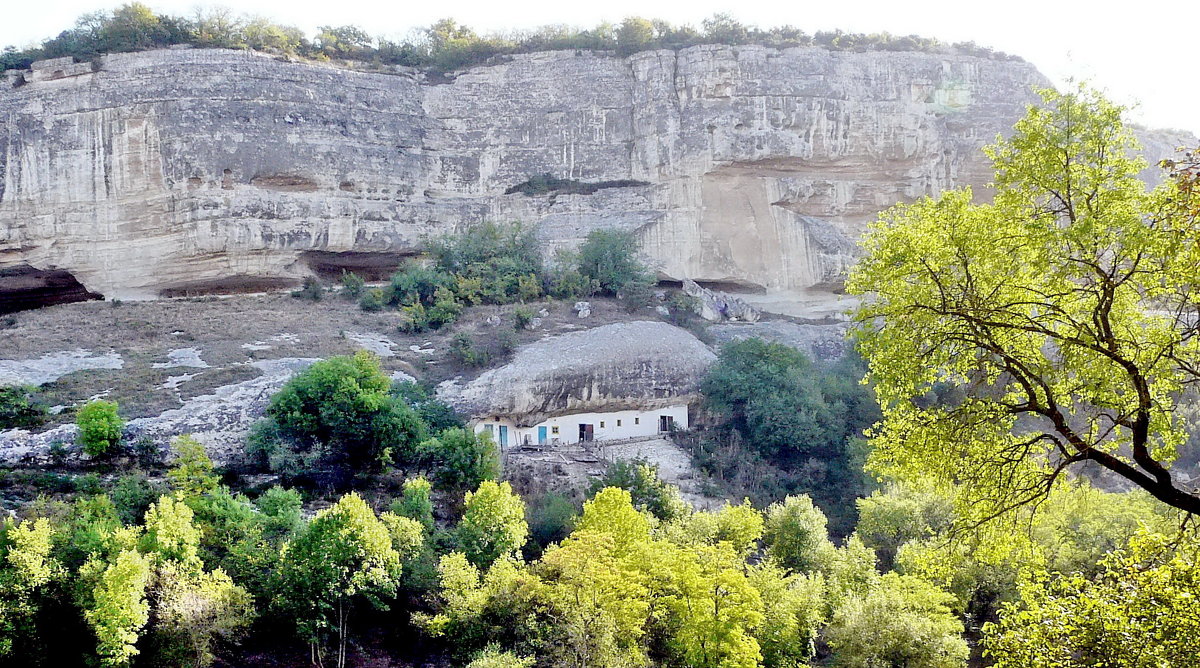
{"points": [[1139, 613], [1065, 312], [26, 569], [198, 609], [119, 610], [99, 427], [193, 472], [609, 257], [902, 621], [493, 524], [795, 534], [343, 405], [344, 555], [463, 458]]}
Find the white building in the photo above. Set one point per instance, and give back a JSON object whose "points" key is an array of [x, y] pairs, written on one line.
{"points": [[577, 427]]}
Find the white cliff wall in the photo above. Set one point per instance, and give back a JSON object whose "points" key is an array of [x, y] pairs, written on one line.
{"points": [[174, 171]]}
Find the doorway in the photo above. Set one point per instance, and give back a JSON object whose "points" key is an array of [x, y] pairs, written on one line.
{"points": [[586, 432]]}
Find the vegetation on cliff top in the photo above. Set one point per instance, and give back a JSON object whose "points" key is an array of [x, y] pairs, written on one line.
{"points": [[444, 46]]}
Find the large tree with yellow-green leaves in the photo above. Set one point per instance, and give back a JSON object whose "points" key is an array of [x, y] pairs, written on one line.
{"points": [[1064, 313]]}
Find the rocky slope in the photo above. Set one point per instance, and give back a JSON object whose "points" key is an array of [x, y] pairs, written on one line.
{"points": [[181, 171]]}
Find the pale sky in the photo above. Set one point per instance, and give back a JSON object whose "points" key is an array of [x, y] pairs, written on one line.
{"points": [[1141, 52]]}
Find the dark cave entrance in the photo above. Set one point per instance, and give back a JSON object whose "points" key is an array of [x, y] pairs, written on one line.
{"points": [[24, 287]]}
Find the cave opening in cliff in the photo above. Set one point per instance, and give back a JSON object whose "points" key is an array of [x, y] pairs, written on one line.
{"points": [[368, 265], [24, 287]]}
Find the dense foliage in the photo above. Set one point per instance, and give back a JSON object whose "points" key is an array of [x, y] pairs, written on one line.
{"points": [[787, 425], [1064, 310], [100, 427], [445, 45]]}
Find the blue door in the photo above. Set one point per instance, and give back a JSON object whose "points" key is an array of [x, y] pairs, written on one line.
{"points": [[541, 435], [503, 436]]}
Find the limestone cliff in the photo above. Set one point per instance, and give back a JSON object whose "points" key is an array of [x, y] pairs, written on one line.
{"points": [[179, 171]]}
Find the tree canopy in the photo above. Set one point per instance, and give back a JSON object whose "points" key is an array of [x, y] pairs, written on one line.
{"points": [[1064, 313]]}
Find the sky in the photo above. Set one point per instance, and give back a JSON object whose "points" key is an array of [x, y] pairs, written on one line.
{"points": [[1140, 54]]}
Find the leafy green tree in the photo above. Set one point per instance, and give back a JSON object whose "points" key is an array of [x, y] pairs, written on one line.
{"points": [[170, 532], [344, 555], [192, 474], [1061, 310], [793, 615], [493, 524], [609, 257], [635, 34], [343, 406], [795, 535], [902, 621], [119, 609], [99, 427], [416, 503], [1140, 612], [27, 570], [649, 492], [195, 610], [890, 518], [463, 459]]}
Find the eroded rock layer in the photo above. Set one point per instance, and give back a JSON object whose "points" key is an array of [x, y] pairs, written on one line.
{"points": [[181, 171], [624, 366]]}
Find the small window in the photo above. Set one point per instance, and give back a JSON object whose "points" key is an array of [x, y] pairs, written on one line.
{"points": [[618, 423], [602, 424], [637, 420], [553, 430]]}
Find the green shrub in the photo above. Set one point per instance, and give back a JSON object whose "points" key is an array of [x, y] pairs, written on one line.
{"points": [[342, 408], [371, 300], [462, 458], [311, 290], [132, 495], [416, 503], [464, 350], [493, 264], [522, 317], [609, 257], [19, 407], [99, 427], [352, 285]]}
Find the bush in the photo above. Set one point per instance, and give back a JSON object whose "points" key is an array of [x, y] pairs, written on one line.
{"points": [[648, 491], [19, 407], [352, 285], [343, 408], [492, 264], [609, 257], [99, 427], [311, 290], [462, 459], [464, 350], [522, 317], [371, 300], [416, 503], [132, 495], [551, 518]]}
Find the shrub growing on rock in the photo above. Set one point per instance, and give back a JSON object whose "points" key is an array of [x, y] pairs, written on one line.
{"points": [[343, 408], [99, 427]]}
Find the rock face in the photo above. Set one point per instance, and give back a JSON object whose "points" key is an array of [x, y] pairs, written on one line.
{"points": [[220, 420], [642, 365], [179, 171]]}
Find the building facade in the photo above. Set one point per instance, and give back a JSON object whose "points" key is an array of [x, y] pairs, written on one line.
{"points": [[583, 427]]}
